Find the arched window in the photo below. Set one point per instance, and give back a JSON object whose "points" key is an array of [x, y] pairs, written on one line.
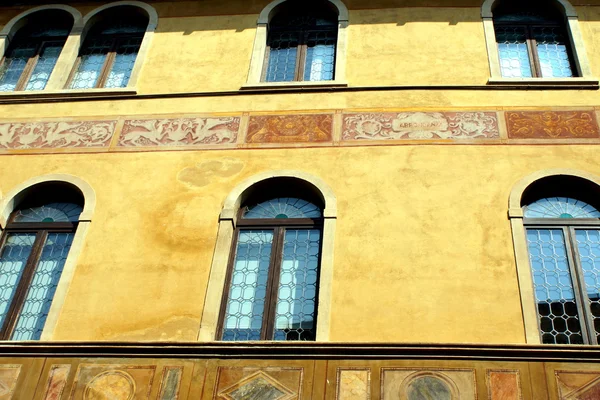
{"points": [[33, 250], [562, 226], [301, 42], [533, 40], [34, 51], [107, 56], [272, 281]]}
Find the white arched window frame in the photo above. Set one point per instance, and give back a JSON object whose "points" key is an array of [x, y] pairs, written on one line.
{"points": [[66, 61], [11, 201], [582, 65], [225, 236], [12, 27], [519, 236], [260, 48]]}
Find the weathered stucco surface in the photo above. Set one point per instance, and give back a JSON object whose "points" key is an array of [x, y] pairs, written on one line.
{"points": [[423, 249]]}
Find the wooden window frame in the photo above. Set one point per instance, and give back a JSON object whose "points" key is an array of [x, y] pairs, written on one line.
{"points": [[41, 231], [42, 42], [301, 50], [531, 43], [568, 227], [109, 59], [279, 227]]}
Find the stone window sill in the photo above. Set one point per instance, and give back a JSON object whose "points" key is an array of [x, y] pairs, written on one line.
{"points": [[66, 93], [527, 82], [293, 85]]}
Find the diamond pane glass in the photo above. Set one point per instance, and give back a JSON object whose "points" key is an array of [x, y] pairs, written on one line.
{"points": [[560, 207], [513, 53], [246, 300], [588, 246], [14, 64], [13, 257], [123, 65], [283, 52], [43, 285], [296, 299], [552, 52], [557, 311], [44, 66], [52, 212], [92, 58], [320, 56], [281, 208]]}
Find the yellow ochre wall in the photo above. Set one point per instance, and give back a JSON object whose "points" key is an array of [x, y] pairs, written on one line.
{"points": [[423, 248]]}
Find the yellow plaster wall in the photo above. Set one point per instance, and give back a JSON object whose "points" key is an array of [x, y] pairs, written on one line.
{"points": [[423, 249], [208, 47]]}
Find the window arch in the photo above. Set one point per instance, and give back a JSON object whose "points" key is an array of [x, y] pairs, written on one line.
{"points": [[559, 220], [36, 42], [109, 51], [34, 249], [534, 39], [272, 282], [272, 267], [300, 42]]}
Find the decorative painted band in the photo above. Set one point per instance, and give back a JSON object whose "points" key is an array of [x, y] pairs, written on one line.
{"points": [[297, 129]]}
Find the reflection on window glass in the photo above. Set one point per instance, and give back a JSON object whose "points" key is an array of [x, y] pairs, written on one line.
{"points": [[14, 256], [512, 49], [296, 300], [553, 285], [44, 66], [245, 308], [552, 52], [588, 245], [43, 285], [13, 66]]}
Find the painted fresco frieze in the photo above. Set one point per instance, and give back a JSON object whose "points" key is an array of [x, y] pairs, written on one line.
{"points": [[420, 125], [578, 385], [39, 135], [551, 124], [290, 128], [179, 132]]}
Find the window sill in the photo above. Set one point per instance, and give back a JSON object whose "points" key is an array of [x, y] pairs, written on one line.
{"points": [[66, 93], [293, 85], [528, 82]]}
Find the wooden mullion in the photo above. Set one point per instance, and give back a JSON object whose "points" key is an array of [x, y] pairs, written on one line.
{"points": [[28, 70], [574, 269], [108, 63], [532, 50], [581, 292], [16, 305], [300, 56], [268, 328]]}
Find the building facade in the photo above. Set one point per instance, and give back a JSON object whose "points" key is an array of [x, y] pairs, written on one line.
{"points": [[324, 199]]}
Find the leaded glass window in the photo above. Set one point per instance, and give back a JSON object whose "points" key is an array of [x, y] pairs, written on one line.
{"points": [[563, 238], [532, 41], [272, 283], [110, 49], [33, 252], [34, 51], [301, 44]]}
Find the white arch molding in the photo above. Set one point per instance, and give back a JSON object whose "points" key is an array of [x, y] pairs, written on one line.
{"points": [[16, 23], [7, 206], [582, 65], [260, 47], [515, 215], [227, 225]]}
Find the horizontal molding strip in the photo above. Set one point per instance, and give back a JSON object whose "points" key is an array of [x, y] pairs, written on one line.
{"points": [[63, 96], [304, 350]]}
